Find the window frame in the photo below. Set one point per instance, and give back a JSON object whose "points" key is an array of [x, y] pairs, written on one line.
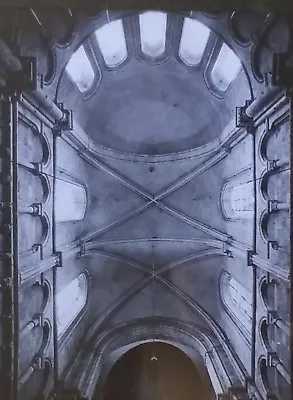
{"points": [[99, 54], [236, 320], [66, 333], [140, 55], [201, 66], [71, 180], [220, 94], [95, 67], [202, 59], [237, 178]]}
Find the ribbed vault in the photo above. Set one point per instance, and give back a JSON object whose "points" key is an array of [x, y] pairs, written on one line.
{"points": [[155, 237], [159, 150]]}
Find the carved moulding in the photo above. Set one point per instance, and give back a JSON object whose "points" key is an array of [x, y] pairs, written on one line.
{"points": [[106, 342]]}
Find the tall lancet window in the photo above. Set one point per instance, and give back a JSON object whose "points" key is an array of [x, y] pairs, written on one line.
{"points": [[153, 33], [70, 301], [70, 201], [226, 68], [80, 70], [193, 41], [237, 301], [112, 43]]}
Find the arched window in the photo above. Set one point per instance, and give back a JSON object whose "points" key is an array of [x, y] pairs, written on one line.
{"points": [[70, 301], [80, 70], [112, 43], [237, 200], [70, 201], [225, 69], [153, 33], [193, 41], [237, 300]]}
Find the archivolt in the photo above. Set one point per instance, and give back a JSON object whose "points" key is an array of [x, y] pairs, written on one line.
{"points": [[221, 370]]}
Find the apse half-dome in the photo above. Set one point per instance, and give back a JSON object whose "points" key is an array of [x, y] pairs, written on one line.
{"points": [[137, 86]]}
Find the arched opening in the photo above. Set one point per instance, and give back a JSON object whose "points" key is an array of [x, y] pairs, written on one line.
{"points": [[136, 45], [237, 301], [154, 371], [112, 44], [70, 301], [70, 201]]}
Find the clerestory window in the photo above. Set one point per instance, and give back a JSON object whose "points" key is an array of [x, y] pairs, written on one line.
{"points": [[70, 301], [193, 41], [70, 201], [112, 43], [237, 199], [225, 69], [80, 70], [237, 300], [153, 33]]}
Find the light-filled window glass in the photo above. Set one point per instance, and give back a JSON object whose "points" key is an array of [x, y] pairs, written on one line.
{"points": [[80, 70], [70, 301], [237, 299], [153, 32], [226, 68], [70, 201], [112, 43], [193, 41]]}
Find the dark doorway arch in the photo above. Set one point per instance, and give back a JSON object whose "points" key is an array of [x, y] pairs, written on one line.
{"points": [[156, 371]]}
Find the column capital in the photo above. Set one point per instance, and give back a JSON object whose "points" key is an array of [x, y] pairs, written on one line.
{"points": [[272, 359], [37, 209], [272, 317], [59, 259], [242, 119], [273, 206], [249, 258], [66, 122]]}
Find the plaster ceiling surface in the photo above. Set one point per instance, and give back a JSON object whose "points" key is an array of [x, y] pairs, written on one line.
{"points": [[135, 236], [155, 111]]}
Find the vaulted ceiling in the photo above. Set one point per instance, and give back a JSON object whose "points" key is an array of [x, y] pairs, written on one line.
{"points": [[155, 246], [157, 111], [138, 121]]}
